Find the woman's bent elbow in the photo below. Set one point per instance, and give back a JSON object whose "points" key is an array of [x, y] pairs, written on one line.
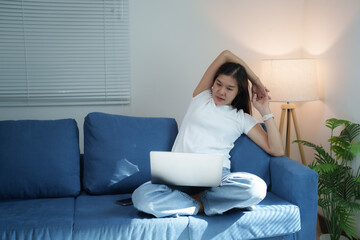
{"points": [[277, 152]]}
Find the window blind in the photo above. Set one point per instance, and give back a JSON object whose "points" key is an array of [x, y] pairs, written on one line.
{"points": [[64, 52]]}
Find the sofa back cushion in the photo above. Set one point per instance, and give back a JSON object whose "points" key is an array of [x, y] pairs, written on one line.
{"points": [[117, 150], [39, 158], [246, 156]]}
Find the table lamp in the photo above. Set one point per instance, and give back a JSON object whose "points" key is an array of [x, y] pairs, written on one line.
{"points": [[290, 81]]}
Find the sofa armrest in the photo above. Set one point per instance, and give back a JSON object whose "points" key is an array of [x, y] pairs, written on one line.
{"points": [[298, 185]]}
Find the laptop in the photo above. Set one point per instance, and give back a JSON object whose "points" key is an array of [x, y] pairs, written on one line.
{"points": [[186, 169]]}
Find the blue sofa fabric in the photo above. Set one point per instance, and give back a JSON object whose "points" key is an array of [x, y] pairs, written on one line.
{"points": [[116, 150], [272, 217], [37, 219], [246, 156], [297, 184], [99, 217], [39, 158]]}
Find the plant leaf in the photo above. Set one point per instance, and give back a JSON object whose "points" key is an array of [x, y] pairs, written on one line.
{"points": [[323, 162], [350, 132], [343, 152], [355, 148], [333, 123], [342, 145], [324, 168], [347, 222]]}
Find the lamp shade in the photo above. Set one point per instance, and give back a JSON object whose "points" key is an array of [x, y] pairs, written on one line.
{"points": [[290, 80]]}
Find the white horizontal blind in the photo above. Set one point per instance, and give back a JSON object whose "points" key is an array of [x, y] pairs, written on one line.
{"points": [[64, 52]]}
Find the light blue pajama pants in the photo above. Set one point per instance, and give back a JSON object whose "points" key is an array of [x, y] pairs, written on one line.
{"points": [[237, 190]]}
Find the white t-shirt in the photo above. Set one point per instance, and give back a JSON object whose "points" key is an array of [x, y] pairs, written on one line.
{"points": [[208, 128]]}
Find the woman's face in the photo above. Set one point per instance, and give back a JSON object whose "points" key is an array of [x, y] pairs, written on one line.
{"points": [[224, 90]]}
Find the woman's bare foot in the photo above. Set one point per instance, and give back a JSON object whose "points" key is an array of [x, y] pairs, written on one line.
{"points": [[198, 198]]}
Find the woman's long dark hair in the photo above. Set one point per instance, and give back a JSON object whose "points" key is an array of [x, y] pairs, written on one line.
{"points": [[238, 72]]}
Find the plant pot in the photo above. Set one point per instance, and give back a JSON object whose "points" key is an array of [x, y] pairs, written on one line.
{"points": [[327, 237]]}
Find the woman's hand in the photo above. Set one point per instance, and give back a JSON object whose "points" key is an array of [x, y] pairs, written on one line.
{"points": [[261, 103], [259, 89]]}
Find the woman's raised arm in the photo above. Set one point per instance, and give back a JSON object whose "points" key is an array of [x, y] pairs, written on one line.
{"points": [[226, 56], [270, 141]]}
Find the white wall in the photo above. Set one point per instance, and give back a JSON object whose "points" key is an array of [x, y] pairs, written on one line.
{"points": [[332, 33], [332, 30], [173, 42]]}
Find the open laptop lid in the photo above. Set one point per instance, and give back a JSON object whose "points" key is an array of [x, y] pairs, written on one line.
{"points": [[186, 169]]}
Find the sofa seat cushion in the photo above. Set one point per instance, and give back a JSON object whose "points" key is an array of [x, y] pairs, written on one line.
{"points": [[37, 219], [99, 217], [272, 217], [117, 150], [39, 159]]}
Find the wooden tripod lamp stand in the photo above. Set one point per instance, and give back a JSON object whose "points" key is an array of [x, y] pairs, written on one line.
{"points": [[290, 80], [288, 110]]}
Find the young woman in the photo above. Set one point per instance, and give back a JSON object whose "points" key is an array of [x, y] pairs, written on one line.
{"points": [[219, 113]]}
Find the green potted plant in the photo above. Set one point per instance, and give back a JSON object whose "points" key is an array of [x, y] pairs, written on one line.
{"points": [[339, 183]]}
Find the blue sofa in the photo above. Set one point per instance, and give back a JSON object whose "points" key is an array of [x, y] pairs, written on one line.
{"points": [[48, 190]]}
